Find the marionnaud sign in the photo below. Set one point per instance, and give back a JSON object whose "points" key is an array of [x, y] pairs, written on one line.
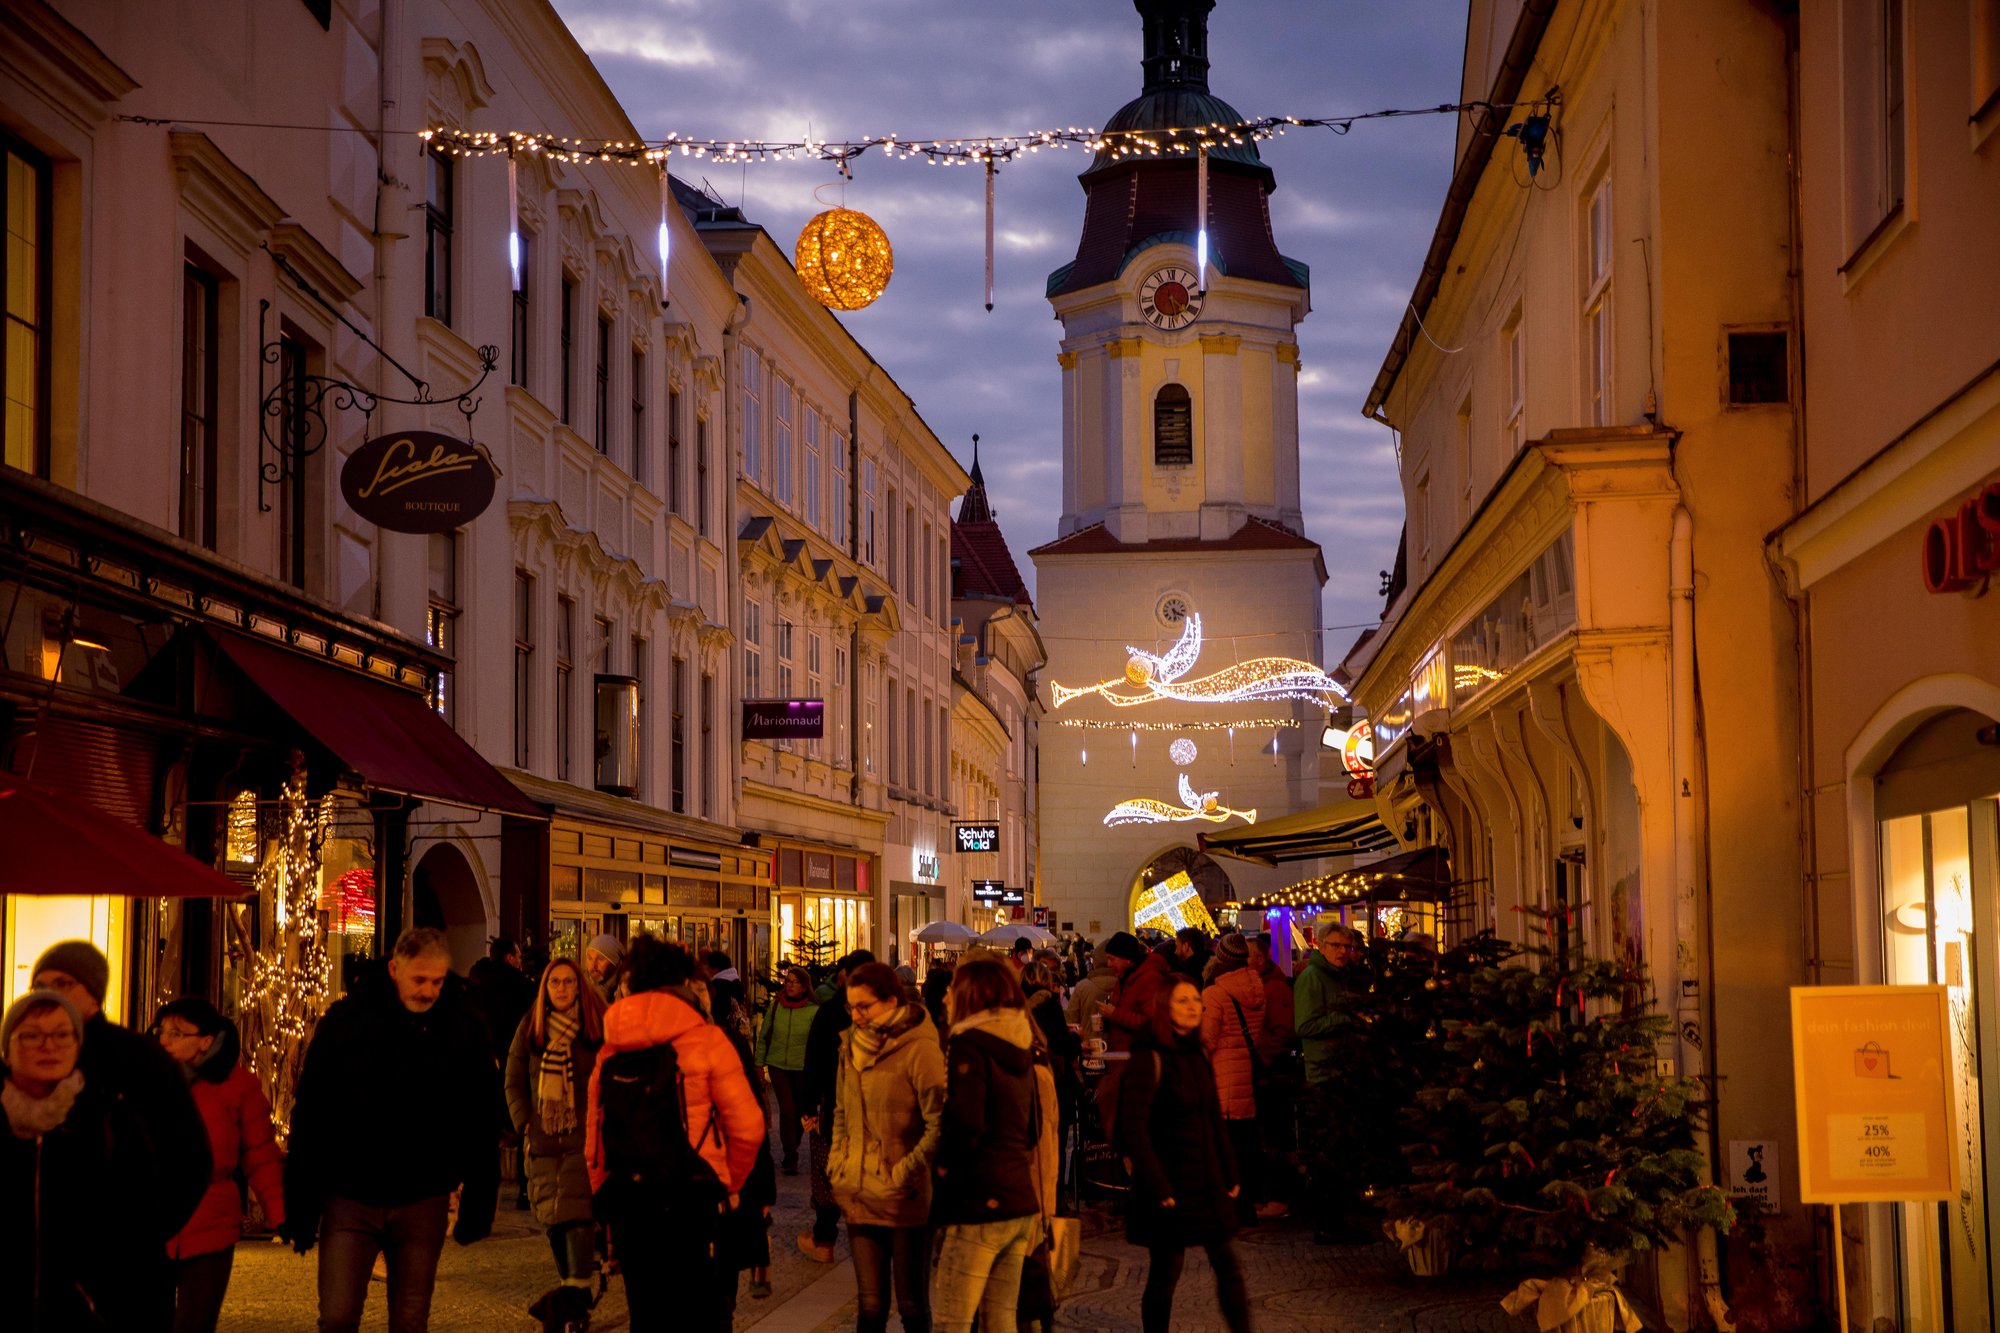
{"points": [[977, 837], [418, 481], [784, 719]]}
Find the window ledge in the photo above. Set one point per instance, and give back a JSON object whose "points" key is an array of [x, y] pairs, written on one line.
{"points": [[1878, 242]]}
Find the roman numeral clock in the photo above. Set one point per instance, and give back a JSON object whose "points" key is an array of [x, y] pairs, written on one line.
{"points": [[1169, 298]]}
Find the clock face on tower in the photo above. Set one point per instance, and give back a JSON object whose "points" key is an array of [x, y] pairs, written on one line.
{"points": [[1168, 298]]}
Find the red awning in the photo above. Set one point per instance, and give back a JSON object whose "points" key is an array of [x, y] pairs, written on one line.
{"points": [[387, 734], [57, 844]]}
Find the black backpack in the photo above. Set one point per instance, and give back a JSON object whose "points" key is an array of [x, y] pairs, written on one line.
{"points": [[653, 1168]]}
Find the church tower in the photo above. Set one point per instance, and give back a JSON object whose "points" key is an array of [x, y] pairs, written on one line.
{"points": [[1180, 601]]}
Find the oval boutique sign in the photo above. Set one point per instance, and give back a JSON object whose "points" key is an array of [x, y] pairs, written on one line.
{"points": [[418, 481]]}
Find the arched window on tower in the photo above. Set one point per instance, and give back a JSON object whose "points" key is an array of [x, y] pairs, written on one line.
{"points": [[1173, 427]]}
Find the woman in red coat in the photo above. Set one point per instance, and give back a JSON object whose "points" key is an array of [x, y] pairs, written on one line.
{"points": [[238, 1119]]}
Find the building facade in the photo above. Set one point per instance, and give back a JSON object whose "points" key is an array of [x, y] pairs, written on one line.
{"points": [[1180, 556], [1586, 685], [1890, 561]]}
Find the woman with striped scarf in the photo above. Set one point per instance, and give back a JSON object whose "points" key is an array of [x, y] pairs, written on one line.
{"points": [[548, 1085]]}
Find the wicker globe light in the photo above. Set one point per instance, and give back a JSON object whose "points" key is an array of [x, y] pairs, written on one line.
{"points": [[844, 259]]}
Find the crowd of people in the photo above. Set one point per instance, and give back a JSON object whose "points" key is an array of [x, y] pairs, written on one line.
{"points": [[629, 1092]]}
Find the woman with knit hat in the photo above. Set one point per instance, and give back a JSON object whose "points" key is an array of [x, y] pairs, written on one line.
{"points": [[73, 1148], [238, 1117]]}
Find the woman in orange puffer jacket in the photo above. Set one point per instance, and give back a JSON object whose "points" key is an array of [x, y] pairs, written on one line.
{"points": [[672, 1275], [1232, 1023], [238, 1118]]}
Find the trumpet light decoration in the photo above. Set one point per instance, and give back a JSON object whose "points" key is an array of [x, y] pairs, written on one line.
{"points": [[1204, 805], [1151, 677]]}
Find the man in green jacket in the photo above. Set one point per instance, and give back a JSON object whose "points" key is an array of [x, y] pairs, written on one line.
{"points": [[1323, 1004]]}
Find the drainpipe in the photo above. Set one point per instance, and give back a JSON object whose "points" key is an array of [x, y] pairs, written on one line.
{"points": [[1689, 801]]}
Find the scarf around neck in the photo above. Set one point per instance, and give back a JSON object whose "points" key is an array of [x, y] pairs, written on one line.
{"points": [[555, 1091], [32, 1117], [1010, 1025], [869, 1042]]}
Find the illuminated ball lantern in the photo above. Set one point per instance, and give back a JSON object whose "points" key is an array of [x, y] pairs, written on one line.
{"points": [[844, 259]]}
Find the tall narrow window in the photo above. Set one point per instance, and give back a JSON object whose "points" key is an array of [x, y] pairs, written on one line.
{"points": [[911, 554], [709, 770], [674, 483], [199, 331], [753, 416], [638, 415], [439, 206], [815, 688], [895, 735], [602, 417], [930, 753], [868, 512], [441, 616], [701, 476], [1597, 347], [524, 666], [895, 570], [1173, 427], [837, 499], [640, 673], [677, 765], [781, 441], [930, 576], [606, 636], [1517, 383], [568, 350], [753, 649], [810, 498], [843, 754], [910, 769], [520, 330], [24, 285], [295, 494], [1895, 146], [565, 686]]}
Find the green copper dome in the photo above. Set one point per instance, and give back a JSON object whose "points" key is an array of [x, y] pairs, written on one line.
{"points": [[1179, 108]]}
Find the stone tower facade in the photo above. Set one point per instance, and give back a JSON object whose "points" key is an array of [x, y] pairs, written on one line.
{"points": [[1181, 578]]}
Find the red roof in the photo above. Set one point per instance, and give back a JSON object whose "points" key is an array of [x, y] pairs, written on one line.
{"points": [[983, 565], [1256, 534]]}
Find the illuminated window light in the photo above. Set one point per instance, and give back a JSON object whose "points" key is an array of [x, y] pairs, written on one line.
{"points": [[1194, 805], [1156, 677]]}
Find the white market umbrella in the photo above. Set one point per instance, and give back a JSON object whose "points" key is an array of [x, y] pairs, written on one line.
{"points": [[1016, 930], [945, 932]]}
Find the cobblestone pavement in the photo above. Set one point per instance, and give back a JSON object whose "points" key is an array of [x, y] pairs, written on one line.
{"points": [[1295, 1285]]}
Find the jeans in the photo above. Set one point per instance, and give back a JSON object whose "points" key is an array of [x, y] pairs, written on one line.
{"points": [[878, 1252], [979, 1272], [673, 1278], [1163, 1274], [200, 1282], [409, 1236], [575, 1248], [787, 1085]]}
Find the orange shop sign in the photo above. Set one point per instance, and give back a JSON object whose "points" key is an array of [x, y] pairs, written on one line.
{"points": [[1872, 1075], [1962, 549]]}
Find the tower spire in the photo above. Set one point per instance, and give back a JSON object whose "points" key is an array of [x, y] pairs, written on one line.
{"points": [[975, 507], [1176, 58]]}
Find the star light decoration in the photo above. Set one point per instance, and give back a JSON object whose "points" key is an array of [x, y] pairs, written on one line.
{"points": [[1173, 904], [1154, 677], [1194, 805]]}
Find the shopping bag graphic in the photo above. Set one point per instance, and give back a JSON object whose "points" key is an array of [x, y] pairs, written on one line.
{"points": [[1871, 1061]]}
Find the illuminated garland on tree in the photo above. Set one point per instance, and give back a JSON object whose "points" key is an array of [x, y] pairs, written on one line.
{"points": [[1158, 676], [1194, 805]]}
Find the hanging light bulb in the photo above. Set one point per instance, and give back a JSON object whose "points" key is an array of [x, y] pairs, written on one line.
{"points": [[1201, 211], [513, 224], [666, 236]]}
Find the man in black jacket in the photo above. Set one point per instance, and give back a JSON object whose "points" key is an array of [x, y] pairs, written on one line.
{"points": [[392, 1109], [123, 1065]]}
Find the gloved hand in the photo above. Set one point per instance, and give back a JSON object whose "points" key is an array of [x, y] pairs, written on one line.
{"points": [[299, 1232]]}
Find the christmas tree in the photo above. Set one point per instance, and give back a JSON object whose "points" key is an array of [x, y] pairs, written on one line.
{"points": [[1547, 1129]]}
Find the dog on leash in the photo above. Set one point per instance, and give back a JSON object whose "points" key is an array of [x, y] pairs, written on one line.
{"points": [[563, 1309]]}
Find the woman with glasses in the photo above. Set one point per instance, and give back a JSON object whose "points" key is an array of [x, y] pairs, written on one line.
{"points": [[83, 1184], [548, 1088], [238, 1118], [888, 1114], [781, 1054]]}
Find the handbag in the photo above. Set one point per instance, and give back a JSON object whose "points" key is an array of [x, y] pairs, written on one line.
{"points": [[1260, 1073]]}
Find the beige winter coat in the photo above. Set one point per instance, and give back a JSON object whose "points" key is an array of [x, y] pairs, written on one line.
{"points": [[888, 1115]]}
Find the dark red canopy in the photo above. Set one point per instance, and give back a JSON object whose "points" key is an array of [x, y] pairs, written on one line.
{"points": [[60, 845]]}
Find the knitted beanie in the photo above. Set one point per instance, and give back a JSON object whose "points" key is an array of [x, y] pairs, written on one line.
{"points": [[80, 959], [17, 1012]]}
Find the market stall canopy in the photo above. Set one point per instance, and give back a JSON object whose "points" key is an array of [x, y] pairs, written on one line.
{"points": [[385, 733], [1423, 875], [945, 932], [1004, 936], [59, 845], [1344, 828]]}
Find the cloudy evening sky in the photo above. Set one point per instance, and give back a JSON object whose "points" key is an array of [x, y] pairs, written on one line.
{"points": [[1358, 208]]}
